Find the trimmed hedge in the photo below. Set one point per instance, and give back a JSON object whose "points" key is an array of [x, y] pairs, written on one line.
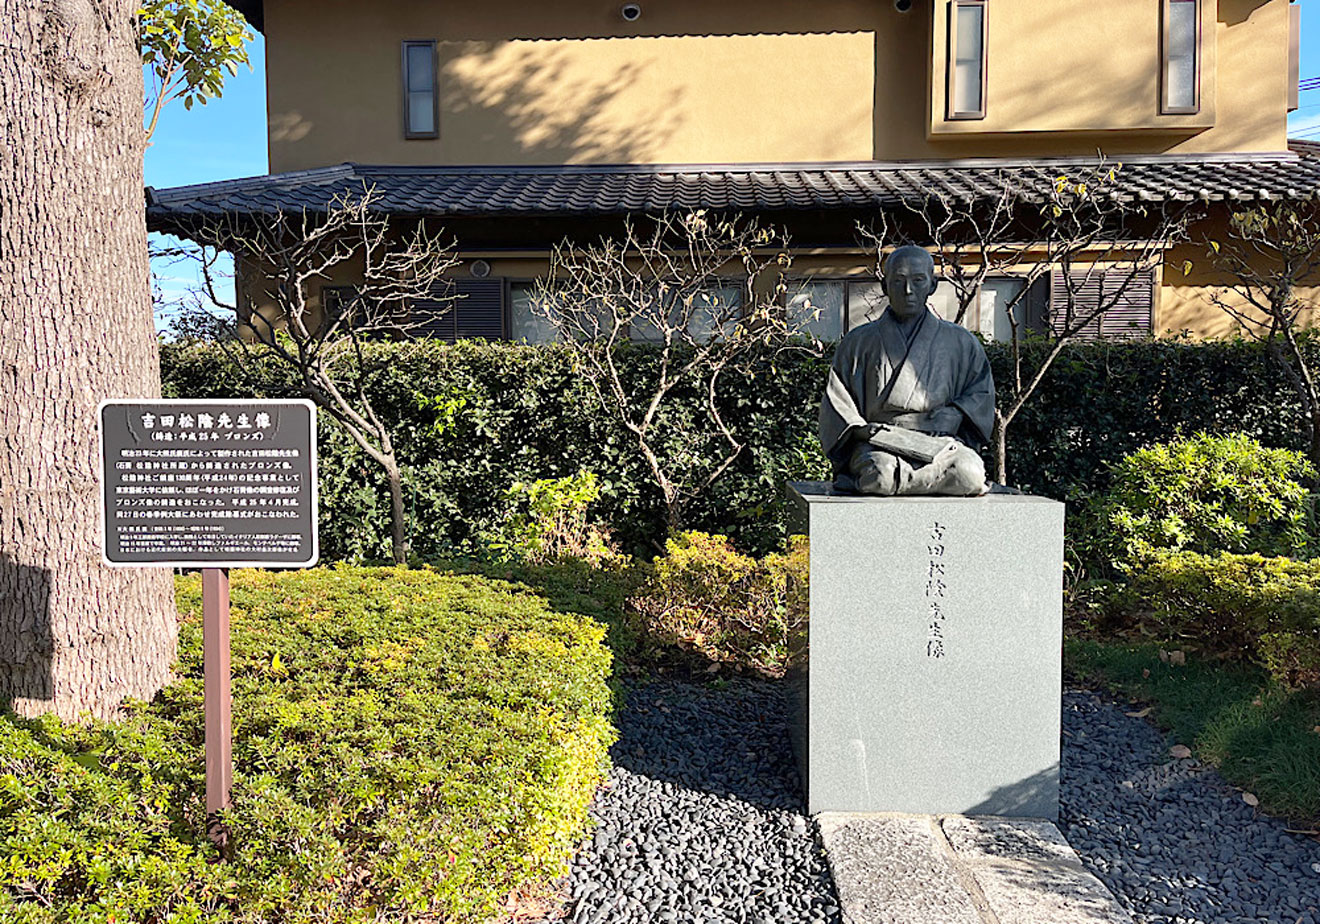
{"points": [[1249, 606], [407, 745], [474, 418]]}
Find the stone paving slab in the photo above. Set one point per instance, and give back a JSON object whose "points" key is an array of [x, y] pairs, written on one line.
{"points": [[952, 869], [1028, 874], [894, 869]]}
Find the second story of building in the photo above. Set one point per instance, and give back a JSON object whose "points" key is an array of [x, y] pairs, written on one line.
{"points": [[770, 81]]}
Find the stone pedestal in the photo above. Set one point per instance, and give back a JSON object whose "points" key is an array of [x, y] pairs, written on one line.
{"points": [[925, 653]]}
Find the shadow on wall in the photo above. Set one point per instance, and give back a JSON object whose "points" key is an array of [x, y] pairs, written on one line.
{"points": [[1121, 87], [26, 643], [549, 106], [1037, 796]]}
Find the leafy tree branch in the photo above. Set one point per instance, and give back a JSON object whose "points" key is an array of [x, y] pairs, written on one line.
{"points": [[188, 47]]}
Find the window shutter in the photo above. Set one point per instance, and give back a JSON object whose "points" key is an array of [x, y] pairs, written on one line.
{"points": [[1131, 308], [462, 309], [1086, 298], [1130, 297]]}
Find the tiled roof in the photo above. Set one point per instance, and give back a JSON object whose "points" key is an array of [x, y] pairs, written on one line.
{"points": [[1304, 147], [617, 190]]}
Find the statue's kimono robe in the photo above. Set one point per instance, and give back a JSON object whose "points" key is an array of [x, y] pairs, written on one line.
{"points": [[935, 380]]}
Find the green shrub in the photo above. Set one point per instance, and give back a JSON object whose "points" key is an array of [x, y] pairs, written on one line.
{"points": [[1248, 606], [705, 595], [408, 745], [1202, 494], [471, 419], [548, 521]]}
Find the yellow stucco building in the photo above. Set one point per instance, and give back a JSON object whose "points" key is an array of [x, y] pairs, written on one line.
{"points": [[522, 124]]}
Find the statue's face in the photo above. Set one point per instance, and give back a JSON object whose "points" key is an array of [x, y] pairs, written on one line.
{"points": [[909, 282]]}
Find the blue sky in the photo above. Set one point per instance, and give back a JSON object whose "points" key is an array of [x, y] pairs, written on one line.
{"points": [[227, 137], [224, 139], [1305, 122]]}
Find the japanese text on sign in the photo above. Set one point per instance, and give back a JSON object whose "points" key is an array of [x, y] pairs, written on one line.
{"points": [[221, 484]]}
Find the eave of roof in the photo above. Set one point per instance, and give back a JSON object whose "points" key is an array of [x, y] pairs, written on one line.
{"points": [[1304, 147], [252, 11], [607, 190]]}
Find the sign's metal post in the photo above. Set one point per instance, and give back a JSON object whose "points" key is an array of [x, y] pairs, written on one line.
{"points": [[215, 651]]}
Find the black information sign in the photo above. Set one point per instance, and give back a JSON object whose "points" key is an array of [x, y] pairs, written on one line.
{"points": [[208, 484]]}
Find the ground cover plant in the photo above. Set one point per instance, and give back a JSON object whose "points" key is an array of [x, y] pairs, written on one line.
{"points": [[408, 745], [1261, 735]]}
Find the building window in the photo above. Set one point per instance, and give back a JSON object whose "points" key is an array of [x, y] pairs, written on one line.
{"points": [[421, 115], [1294, 57], [713, 309], [828, 308], [966, 69], [1181, 65], [461, 309], [527, 319], [716, 308]]}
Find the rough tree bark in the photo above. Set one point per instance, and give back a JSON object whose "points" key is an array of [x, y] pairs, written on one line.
{"points": [[76, 637]]}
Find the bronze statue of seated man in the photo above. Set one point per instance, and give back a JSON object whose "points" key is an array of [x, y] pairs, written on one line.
{"points": [[909, 395]]}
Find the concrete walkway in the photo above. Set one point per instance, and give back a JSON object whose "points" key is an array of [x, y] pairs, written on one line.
{"points": [[952, 869]]}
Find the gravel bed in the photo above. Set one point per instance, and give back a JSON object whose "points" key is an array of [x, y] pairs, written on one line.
{"points": [[701, 819], [1173, 841]]}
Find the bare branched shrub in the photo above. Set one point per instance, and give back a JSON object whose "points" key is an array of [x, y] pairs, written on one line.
{"points": [[705, 292], [1268, 255], [324, 342]]}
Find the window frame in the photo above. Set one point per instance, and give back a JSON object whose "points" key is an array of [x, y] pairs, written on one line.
{"points": [[848, 281], [510, 284], [1166, 108], [1028, 322], [1294, 56], [406, 90], [952, 114]]}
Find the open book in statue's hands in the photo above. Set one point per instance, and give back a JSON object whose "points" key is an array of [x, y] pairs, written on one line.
{"points": [[911, 444]]}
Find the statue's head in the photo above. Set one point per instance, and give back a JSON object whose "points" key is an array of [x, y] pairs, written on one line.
{"points": [[909, 280]]}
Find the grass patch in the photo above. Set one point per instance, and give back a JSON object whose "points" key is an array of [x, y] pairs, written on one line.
{"points": [[408, 745], [1260, 735]]}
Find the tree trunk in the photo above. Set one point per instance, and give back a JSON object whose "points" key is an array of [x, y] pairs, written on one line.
{"points": [[76, 637], [398, 522], [1000, 439]]}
